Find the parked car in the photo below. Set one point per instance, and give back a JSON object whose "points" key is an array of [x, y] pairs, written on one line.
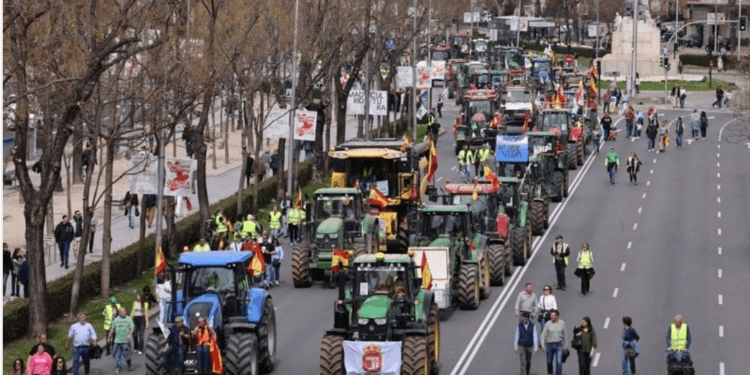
{"points": [[689, 41]]}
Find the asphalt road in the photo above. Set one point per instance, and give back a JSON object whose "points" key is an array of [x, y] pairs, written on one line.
{"points": [[674, 244]]}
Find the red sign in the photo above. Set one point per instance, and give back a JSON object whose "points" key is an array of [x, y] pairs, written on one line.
{"points": [[372, 360]]}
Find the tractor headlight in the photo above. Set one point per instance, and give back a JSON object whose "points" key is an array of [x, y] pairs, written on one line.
{"points": [[363, 321], [320, 236], [211, 322], [333, 236], [381, 321]]}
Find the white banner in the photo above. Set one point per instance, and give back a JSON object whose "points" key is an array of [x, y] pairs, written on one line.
{"points": [[423, 77], [541, 24], [592, 30], [143, 174], [304, 126], [277, 124], [177, 178], [404, 77], [438, 70], [355, 103], [372, 357], [524, 25], [421, 111], [379, 102]]}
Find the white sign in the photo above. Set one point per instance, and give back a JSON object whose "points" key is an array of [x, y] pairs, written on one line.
{"points": [[541, 24], [438, 70], [513, 25], [423, 77], [379, 102], [143, 174], [372, 357], [177, 178], [277, 124], [404, 77], [714, 18], [421, 111], [524, 25], [468, 17], [602, 30], [355, 103], [304, 125]]}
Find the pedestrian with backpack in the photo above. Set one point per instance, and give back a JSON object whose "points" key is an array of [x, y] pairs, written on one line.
{"points": [[704, 124], [634, 165], [652, 130]]}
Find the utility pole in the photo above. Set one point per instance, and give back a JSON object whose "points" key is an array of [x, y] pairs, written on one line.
{"points": [[598, 4], [739, 15], [716, 26], [414, 72], [429, 55], [293, 112], [367, 91], [634, 65], [518, 26]]}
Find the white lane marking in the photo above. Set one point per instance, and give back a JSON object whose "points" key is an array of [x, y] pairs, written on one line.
{"points": [[454, 168], [494, 313], [640, 209], [654, 161], [719, 273], [718, 165], [652, 171], [719, 250], [721, 364], [606, 323], [718, 146], [630, 243], [622, 268], [718, 214], [644, 195], [718, 199], [718, 187], [718, 175], [614, 295], [596, 357], [718, 155], [721, 331], [719, 231], [709, 117], [648, 183], [721, 299], [635, 226], [439, 178]]}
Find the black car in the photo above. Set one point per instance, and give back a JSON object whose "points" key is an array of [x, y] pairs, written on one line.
{"points": [[689, 41]]}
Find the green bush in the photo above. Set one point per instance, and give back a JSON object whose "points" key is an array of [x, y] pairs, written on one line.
{"points": [[123, 263], [697, 60]]}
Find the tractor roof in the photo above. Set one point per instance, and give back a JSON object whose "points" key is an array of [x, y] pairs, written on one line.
{"points": [[379, 153], [214, 258], [337, 191], [387, 258], [445, 208], [466, 189], [480, 94], [540, 134]]}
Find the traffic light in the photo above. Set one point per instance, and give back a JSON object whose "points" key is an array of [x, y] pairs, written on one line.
{"points": [[743, 23], [665, 64], [661, 61]]}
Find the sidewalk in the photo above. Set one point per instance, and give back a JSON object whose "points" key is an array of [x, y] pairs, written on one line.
{"points": [[221, 183]]}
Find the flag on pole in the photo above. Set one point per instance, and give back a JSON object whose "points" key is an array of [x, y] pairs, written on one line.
{"points": [[426, 274], [340, 260], [433, 166], [298, 197], [579, 94], [217, 367], [560, 96], [475, 193], [257, 264], [377, 198], [161, 262], [492, 177], [526, 121]]}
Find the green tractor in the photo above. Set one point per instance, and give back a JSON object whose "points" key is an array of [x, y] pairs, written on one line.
{"points": [[559, 121], [384, 320], [467, 266], [337, 221]]}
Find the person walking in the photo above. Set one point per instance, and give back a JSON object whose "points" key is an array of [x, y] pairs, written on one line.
{"points": [[678, 341], [41, 362], [440, 107], [221, 224], [121, 334], [110, 312], [202, 245], [683, 96], [560, 257], [18, 260], [526, 302], [44, 342], [612, 161], [295, 216], [704, 124], [597, 135], [680, 67], [131, 208], [637, 83], [268, 251], [728, 99], [679, 130], [164, 293], [82, 334], [23, 276], [630, 122], [19, 368], [249, 161], [664, 136], [59, 367], [285, 204], [480, 157], [638, 123], [588, 345], [651, 131], [719, 97], [553, 342], [177, 341], [78, 232], [695, 121], [236, 245], [525, 342], [64, 234], [674, 94], [276, 259], [585, 260], [139, 314], [204, 334], [606, 123], [465, 160], [275, 222], [634, 165], [630, 348], [547, 303], [7, 266]]}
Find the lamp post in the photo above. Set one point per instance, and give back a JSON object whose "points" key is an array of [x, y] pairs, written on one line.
{"points": [[293, 112], [598, 3], [518, 26], [414, 72], [634, 47]]}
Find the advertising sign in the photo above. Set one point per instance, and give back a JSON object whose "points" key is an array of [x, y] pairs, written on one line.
{"points": [[512, 149], [304, 126], [277, 124], [355, 103], [423, 77]]}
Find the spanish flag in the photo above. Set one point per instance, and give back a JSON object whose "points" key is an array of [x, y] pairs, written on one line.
{"points": [[298, 197], [579, 94], [426, 274], [433, 166], [161, 262], [560, 96], [492, 177], [475, 193], [257, 264], [217, 367], [340, 260], [377, 198]]}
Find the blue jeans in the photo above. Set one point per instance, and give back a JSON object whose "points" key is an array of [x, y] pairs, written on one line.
{"points": [[629, 128], [275, 232], [560, 270], [64, 251], [131, 221], [612, 168], [270, 275], [83, 353], [625, 363], [180, 349], [122, 350], [678, 139], [204, 360], [554, 352], [467, 172], [276, 265], [651, 143], [717, 102]]}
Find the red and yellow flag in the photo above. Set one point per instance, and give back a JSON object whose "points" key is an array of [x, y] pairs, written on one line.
{"points": [[475, 193], [433, 166], [257, 264], [426, 274], [340, 260], [491, 177], [526, 123], [377, 198], [217, 367], [298, 197], [161, 262]]}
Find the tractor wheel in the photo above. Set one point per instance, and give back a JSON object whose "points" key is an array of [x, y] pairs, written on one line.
{"points": [[414, 358], [301, 275], [508, 258], [267, 338], [468, 286], [359, 247], [497, 264], [241, 355], [484, 282], [545, 199], [537, 218], [433, 338], [332, 355], [519, 246], [558, 186], [566, 183], [154, 358], [570, 155], [580, 152]]}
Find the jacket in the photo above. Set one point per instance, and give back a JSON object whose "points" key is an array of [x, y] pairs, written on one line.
{"points": [[64, 232]]}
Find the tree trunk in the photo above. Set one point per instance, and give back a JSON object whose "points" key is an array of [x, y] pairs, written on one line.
{"points": [[77, 152], [213, 133], [200, 158], [281, 191], [169, 212], [141, 237], [258, 130], [67, 162], [107, 230], [225, 125]]}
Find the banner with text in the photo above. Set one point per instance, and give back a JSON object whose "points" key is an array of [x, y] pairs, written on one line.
{"points": [[178, 181], [355, 103], [372, 357], [143, 174], [512, 149]]}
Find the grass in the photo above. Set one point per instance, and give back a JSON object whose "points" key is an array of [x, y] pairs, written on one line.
{"points": [[59, 330], [690, 86]]}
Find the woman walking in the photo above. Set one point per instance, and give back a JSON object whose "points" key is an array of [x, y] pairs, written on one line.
{"points": [[695, 124], [678, 130], [587, 350], [138, 313], [59, 367], [629, 345], [704, 124], [276, 259], [664, 136], [585, 266], [634, 165], [18, 259], [547, 303], [18, 367], [41, 362]]}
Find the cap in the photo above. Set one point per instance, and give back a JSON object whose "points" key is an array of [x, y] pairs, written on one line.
{"points": [[179, 319], [250, 217], [113, 299]]}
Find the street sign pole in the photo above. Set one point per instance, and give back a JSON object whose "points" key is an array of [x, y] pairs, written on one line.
{"points": [[292, 113]]}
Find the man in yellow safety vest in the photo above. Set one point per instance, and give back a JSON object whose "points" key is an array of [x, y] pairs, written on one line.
{"points": [[465, 160], [202, 245], [275, 222], [109, 313], [479, 159], [295, 216], [678, 341], [221, 225]]}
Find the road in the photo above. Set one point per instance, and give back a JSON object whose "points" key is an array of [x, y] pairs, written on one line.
{"points": [[671, 245]]}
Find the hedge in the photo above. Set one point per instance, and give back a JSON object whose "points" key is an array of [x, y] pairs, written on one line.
{"points": [[123, 262], [730, 62]]}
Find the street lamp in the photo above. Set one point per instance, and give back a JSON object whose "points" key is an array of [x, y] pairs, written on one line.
{"points": [[292, 113]]}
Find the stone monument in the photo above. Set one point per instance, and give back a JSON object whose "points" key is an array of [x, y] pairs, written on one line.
{"points": [[621, 57]]}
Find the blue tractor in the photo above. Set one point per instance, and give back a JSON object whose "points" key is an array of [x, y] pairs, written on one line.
{"points": [[216, 285]]}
